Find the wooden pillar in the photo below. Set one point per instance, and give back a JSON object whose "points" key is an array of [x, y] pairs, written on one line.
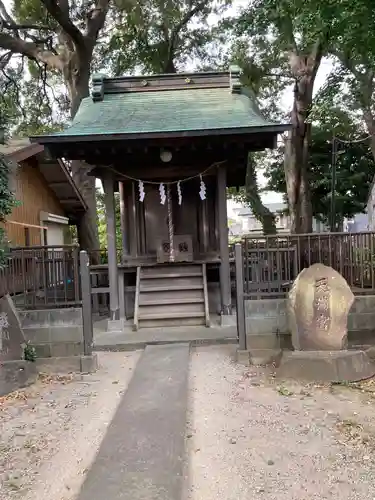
{"points": [[124, 228], [241, 323], [225, 288], [204, 220], [86, 303], [133, 223], [109, 200]]}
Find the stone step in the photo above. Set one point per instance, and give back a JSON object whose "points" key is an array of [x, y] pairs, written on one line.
{"points": [[165, 281], [156, 301], [172, 296], [172, 322], [168, 309], [171, 269], [166, 288], [171, 315], [170, 275]]}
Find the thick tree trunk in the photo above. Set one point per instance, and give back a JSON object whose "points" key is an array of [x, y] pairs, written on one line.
{"points": [[296, 153], [77, 77], [370, 124]]}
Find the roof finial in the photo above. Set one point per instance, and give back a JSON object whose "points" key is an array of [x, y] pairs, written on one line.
{"points": [[97, 92], [235, 84]]}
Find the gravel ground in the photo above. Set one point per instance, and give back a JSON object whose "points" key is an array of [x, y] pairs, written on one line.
{"points": [[251, 436], [50, 432]]}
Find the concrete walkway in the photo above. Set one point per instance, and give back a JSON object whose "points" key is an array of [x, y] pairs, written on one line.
{"points": [[142, 454]]}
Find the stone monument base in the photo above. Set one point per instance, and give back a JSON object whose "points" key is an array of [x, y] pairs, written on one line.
{"points": [[16, 375], [326, 366]]}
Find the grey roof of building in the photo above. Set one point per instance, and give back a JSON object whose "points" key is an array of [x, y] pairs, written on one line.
{"points": [[274, 207]]}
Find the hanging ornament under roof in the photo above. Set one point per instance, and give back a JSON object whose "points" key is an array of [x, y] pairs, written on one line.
{"points": [[179, 193], [202, 191], [163, 196], [141, 189]]}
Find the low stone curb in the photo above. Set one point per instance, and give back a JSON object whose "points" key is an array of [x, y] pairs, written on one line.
{"points": [[136, 346], [68, 364], [16, 375]]}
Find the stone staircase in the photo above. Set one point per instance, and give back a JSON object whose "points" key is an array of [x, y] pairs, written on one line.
{"points": [[171, 295]]}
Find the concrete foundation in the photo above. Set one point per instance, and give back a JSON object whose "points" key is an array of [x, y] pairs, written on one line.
{"points": [[116, 325], [54, 332], [326, 366], [15, 375], [267, 323], [57, 336]]}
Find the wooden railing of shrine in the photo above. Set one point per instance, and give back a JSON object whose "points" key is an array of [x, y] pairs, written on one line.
{"points": [[42, 276]]}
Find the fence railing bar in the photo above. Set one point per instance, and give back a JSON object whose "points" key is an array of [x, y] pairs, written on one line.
{"points": [[271, 263]]}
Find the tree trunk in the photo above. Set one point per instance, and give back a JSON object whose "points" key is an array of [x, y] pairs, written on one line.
{"points": [[77, 78], [370, 124], [260, 211], [296, 156]]}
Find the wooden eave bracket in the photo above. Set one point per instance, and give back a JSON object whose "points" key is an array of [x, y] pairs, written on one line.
{"points": [[235, 84], [97, 92]]}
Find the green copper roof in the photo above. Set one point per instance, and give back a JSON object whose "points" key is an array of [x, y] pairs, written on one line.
{"points": [[164, 104]]}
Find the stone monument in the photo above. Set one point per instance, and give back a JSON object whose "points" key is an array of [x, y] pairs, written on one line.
{"points": [[15, 372], [318, 306]]}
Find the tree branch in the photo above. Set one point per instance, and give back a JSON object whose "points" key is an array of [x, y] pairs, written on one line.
{"points": [[31, 50], [61, 15], [176, 30], [4, 60], [23, 27], [316, 55], [187, 17], [4, 14], [286, 27], [96, 20]]}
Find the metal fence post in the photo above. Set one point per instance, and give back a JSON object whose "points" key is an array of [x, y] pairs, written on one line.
{"points": [[76, 273], [86, 303], [241, 325]]}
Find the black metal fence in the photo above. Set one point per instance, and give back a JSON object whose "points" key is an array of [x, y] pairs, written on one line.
{"points": [[40, 277], [271, 263]]}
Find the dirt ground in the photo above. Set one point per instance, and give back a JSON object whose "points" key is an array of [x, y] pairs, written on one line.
{"points": [[249, 436], [50, 432], [253, 437]]}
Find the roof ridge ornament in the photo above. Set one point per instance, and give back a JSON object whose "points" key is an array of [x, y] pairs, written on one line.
{"points": [[97, 91], [235, 83]]}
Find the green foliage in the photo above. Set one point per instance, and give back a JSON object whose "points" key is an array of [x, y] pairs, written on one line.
{"points": [[29, 352], [355, 169], [154, 36], [6, 203], [249, 196]]}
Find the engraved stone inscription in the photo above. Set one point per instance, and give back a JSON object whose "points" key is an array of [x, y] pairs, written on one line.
{"points": [[11, 334], [318, 307], [321, 304], [4, 332]]}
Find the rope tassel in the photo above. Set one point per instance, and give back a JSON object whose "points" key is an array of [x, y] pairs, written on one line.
{"points": [[170, 225]]}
